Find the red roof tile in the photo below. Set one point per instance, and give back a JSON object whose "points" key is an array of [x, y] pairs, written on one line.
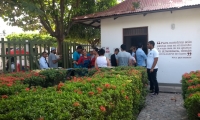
{"points": [[126, 7]]}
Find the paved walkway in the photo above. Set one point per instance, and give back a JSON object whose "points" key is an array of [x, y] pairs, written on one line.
{"points": [[165, 106]]}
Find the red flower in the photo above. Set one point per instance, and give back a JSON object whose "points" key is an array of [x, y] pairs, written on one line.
{"points": [[102, 108], [27, 89], [59, 86], [92, 84], [9, 84], [99, 89], [190, 81], [126, 97], [107, 85], [4, 96], [42, 118], [89, 79], [91, 93], [199, 115], [76, 104]]}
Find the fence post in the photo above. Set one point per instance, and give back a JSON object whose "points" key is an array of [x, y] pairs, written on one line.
{"points": [[26, 50], [30, 55], [67, 55], [3, 53], [64, 55], [15, 57]]}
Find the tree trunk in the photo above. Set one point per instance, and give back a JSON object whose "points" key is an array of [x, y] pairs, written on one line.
{"points": [[59, 48]]}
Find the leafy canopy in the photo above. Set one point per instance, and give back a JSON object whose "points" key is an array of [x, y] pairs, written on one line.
{"points": [[53, 16]]}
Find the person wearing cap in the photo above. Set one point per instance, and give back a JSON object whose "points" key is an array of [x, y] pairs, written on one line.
{"points": [[76, 56], [53, 59]]}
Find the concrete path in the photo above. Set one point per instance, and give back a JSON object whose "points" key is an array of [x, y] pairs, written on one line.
{"points": [[168, 105]]}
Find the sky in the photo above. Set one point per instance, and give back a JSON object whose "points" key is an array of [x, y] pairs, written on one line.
{"points": [[9, 29]]}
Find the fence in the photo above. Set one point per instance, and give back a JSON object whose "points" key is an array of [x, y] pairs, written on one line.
{"points": [[21, 55], [24, 55]]}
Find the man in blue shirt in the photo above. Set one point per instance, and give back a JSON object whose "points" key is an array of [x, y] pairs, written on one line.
{"points": [[76, 55], [43, 62], [141, 56]]}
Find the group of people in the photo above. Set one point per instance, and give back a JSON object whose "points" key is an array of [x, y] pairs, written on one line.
{"points": [[53, 60], [97, 59], [138, 57]]}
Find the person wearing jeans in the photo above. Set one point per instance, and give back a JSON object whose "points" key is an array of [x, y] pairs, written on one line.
{"points": [[152, 67]]}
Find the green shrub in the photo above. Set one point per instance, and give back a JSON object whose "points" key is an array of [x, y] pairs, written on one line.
{"points": [[10, 90], [109, 94], [191, 94], [192, 103], [46, 78]]}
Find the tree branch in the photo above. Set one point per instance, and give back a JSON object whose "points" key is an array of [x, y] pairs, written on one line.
{"points": [[46, 26], [55, 19], [62, 11], [45, 21]]}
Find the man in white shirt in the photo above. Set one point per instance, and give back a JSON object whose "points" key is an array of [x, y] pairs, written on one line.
{"points": [[43, 62], [152, 67]]}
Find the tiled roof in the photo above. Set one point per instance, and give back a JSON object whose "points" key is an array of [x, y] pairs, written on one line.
{"points": [[126, 7]]}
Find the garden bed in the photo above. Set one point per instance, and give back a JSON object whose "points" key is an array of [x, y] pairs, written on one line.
{"points": [[191, 94], [109, 94]]}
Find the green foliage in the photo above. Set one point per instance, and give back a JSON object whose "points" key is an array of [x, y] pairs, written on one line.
{"points": [[14, 89], [109, 94], [51, 16], [46, 78], [192, 105], [136, 4], [31, 37], [191, 94]]}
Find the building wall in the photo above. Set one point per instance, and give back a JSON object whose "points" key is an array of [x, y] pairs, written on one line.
{"points": [[187, 28]]}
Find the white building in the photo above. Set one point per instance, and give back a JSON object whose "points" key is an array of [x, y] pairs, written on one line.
{"points": [[174, 25]]}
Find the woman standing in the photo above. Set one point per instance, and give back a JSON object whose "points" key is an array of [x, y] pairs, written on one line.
{"points": [[93, 58], [101, 60]]}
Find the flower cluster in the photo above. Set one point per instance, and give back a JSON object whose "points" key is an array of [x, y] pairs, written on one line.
{"points": [[191, 93], [102, 95]]}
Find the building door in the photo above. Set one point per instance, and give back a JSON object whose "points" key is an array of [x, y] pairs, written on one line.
{"points": [[134, 36]]}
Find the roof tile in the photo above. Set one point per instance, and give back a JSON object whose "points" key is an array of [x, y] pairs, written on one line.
{"points": [[145, 5]]}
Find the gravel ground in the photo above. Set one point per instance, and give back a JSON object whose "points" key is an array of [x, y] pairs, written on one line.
{"points": [[165, 106]]}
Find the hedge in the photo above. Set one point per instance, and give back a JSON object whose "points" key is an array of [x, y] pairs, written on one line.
{"points": [[102, 94], [191, 94]]}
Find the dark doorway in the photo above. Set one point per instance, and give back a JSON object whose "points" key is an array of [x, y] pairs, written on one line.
{"points": [[134, 36]]}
